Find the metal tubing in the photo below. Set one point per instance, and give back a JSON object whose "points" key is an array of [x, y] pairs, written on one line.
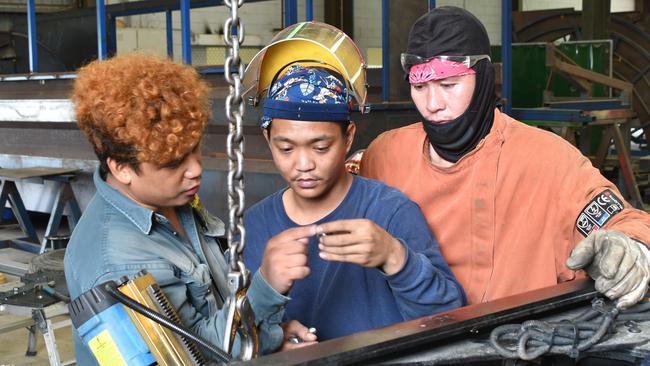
{"points": [[309, 10], [186, 32], [506, 54], [101, 29], [290, 12], [170, 34], [385, 50], [31, 32]]}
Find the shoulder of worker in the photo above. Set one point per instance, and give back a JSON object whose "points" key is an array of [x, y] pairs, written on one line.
{"points": [[533, 141], [380, 199], [394, 138]]}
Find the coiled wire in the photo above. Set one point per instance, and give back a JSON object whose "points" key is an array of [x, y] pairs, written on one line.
{"points": [[535, 338]]}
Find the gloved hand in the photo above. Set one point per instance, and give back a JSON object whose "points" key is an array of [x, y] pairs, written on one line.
{"points": [[619, 265]]}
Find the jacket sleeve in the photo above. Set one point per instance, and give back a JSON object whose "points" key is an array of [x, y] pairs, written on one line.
{"points": [[425, 285], [582, 187]]}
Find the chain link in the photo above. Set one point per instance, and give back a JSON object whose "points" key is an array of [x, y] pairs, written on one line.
{"points": [[233, 71], [240, 318]]}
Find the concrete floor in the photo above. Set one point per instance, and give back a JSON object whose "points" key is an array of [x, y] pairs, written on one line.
{"points": [[13, 343]]}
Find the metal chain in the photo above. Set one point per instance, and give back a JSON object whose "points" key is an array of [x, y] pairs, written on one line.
{"points": [[235, 143], [239, 318]]}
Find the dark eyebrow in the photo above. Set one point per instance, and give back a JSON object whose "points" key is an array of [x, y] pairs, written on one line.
{"points": [[315, 139]]}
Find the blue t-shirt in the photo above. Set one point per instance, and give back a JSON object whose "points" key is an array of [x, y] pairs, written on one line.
{"points": [[338, 298]]}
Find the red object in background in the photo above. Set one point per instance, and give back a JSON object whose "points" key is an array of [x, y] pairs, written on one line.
{"points": [[353, 163]]}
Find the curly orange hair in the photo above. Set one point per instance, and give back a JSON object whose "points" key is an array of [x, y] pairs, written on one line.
{"points": [[138, 108]]}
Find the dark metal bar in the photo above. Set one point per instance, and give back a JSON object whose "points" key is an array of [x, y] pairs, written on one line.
{"points": [[309, 10], [170, 34], [111, 41], [544, 114], [186, 32], [101, 29], [429, 332], [31, 35], [385, 50], [159, 6], [506, 54], [290, 12]]}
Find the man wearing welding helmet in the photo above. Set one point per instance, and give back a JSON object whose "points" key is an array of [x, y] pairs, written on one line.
{"points": [[515, 208], [359, 254]]}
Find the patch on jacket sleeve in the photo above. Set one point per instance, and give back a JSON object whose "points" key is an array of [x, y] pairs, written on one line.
{"points": [[598, 211]]}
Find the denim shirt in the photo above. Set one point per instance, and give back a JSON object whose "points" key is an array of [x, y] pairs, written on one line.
{"points": [[116, 237]]}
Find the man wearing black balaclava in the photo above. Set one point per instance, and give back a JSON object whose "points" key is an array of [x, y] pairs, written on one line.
{"points": [[515, 208]]}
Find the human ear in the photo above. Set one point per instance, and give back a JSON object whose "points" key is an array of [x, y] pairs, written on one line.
{"points": [[349, 136], [265, 132], [120, 171]]}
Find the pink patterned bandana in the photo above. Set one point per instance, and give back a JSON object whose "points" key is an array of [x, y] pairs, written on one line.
{"points": [[437, 69]]}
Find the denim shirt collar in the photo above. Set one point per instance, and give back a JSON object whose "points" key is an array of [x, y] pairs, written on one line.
{"points": [[141, 217]]}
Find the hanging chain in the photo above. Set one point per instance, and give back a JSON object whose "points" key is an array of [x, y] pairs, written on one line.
{"points": [[235, 142], [240, 318]]}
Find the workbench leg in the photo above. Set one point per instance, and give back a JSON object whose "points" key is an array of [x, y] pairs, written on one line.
{"points": [[64, 197], [31, 342], [10, 191], [625, 165], [603, 149]]}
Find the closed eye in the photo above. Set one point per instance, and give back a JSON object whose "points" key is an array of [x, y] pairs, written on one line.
{"points": [[285, 149]]}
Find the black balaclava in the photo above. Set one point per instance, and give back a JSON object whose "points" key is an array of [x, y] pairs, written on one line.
{"points": [[452, 31]]}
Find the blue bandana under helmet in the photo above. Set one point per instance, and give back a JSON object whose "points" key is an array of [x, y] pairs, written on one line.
{"points": [[307, 94]]}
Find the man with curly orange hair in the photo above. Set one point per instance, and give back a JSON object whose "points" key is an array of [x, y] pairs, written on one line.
{"points": [[145, 117]]}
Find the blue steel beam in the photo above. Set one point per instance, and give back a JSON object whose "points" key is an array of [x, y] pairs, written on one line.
{"points": [[290, 12], [31, 35], [170, 34], [111, 41], [101, 29], [385, 50], [144, 7], [309, 10], [546, 114], [506, 54], [186, 32]]}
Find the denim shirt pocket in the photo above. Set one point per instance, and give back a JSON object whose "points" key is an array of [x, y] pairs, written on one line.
{"points": [[198, 283]]}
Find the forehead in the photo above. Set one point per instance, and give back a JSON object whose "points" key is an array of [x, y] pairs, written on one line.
{"points": [[462, 79], [293, 129]]}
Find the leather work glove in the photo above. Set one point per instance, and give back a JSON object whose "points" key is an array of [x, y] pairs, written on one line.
{"points": [[619, 265]]}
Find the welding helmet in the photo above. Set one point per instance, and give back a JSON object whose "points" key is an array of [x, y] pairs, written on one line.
{"points": [[307, 44]]}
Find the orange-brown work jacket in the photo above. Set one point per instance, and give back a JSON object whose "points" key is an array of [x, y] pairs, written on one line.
{"points": [[508, 213]]}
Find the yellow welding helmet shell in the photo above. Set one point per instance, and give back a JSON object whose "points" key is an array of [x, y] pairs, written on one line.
{"points": [[309, 44]]}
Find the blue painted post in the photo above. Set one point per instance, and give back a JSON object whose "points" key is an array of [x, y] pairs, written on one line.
{"points": [[101, 29], [170, 34], [290, 12], [309, 10], [432, 4], [112, 36], [506, 54], [186, 32], [385, 50], [31, 35]]}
